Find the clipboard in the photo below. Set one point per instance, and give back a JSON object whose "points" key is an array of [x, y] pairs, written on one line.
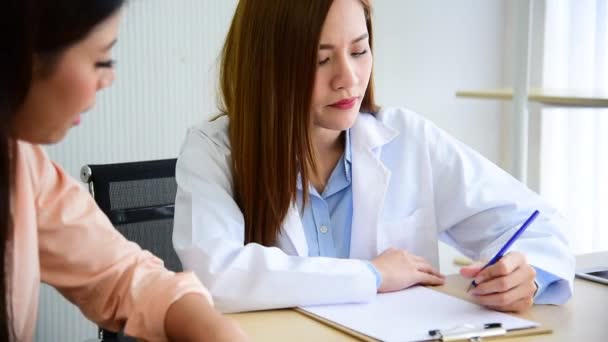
{"points": [[476, 335], [402, 318]]}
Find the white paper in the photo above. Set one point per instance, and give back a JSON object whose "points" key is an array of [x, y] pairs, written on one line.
{"points": [[408, 315]]}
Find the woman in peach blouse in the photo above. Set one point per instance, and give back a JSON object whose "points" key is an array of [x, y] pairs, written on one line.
{"points": [[55, 56]]}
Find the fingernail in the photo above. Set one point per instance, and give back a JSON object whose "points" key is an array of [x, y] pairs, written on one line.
{"points": [[479, 280]]}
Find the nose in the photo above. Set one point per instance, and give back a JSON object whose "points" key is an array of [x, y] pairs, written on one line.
{"points": [[346, 75], [106, 79]]}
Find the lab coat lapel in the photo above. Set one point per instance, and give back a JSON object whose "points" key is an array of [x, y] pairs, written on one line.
{"points": [[292, 239], [370, 183]]}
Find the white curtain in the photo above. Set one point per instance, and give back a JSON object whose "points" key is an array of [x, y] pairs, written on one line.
{"points": [[574, 141]]}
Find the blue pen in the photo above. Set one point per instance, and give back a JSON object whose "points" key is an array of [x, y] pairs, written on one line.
{"points": [[504, 248]]}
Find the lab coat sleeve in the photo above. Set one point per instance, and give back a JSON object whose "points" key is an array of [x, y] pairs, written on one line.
{"points": [[209, 239], [479, 207]]}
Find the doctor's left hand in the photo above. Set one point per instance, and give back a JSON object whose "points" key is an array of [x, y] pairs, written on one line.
{"points": [[508, 285]]}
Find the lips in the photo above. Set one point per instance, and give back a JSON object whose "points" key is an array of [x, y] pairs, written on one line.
{"points": [[77, 119], [345, 103]]}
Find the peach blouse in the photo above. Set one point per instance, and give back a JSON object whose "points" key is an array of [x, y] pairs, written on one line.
{"points": [[61, 237]]}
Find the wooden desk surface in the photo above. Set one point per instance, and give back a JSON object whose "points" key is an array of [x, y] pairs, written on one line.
{"points": [[583, 318]]}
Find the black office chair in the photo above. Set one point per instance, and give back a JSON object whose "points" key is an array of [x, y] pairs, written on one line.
{"points": [[139, 199]]}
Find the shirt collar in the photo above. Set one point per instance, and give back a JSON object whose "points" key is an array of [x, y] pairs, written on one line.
{"points": [[346, 159]]}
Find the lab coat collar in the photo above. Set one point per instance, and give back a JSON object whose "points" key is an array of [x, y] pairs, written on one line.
{"points": [[368, 134]]}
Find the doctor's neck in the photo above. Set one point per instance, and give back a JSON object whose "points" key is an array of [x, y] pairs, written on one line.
{"points": [[328, 148], [327, 141]]}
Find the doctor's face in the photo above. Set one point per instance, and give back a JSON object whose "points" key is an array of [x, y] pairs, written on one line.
{"points": [[344, 67]]}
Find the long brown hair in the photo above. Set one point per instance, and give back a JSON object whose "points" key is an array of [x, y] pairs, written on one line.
{"points": [[267, 76], [30, 29]]}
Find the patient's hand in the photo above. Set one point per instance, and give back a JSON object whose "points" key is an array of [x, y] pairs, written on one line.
{"points": [[401, 269]]}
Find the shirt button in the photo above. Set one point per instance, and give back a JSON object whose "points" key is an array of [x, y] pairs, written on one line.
{"points": [[323, 229]]}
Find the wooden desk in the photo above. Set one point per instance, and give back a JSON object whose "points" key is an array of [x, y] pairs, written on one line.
{"points": [[584, 318]]}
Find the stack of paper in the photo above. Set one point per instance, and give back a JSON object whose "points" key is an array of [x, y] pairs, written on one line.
{"points": [[410, 314]]}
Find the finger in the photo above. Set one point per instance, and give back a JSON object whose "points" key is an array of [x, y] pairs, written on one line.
{"points": [[429, 279], [502, 267], [503, 284], [387, 251], [517, 306], [504, 299], [406, 253], [429, 269], [472, 270], [419, 258]]}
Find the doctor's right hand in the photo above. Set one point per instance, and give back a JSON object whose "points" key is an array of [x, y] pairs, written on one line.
{"points": [[401, 269]]}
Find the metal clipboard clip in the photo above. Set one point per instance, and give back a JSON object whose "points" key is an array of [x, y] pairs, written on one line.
{"points": [[468, 332]]}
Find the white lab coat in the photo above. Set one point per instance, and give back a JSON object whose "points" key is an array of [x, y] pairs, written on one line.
{"points": [[412, 185]]}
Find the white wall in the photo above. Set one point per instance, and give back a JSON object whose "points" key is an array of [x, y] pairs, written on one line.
{"points": [[425, 51]]}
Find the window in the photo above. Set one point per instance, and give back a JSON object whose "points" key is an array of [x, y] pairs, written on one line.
{"points": [[574, 141]]}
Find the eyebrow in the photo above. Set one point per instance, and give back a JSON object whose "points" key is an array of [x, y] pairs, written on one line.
{"points": [[356, 40], [109, 46]]}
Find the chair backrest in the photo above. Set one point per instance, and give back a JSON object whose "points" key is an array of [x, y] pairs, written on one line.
{"points": [[139, 200]]}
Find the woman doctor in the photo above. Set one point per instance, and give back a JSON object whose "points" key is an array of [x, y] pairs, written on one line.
{"points": [[304, 192]]}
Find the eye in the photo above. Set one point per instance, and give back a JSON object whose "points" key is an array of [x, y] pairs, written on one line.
{"points": [[109, 64], [358, 54], [324, 61]]}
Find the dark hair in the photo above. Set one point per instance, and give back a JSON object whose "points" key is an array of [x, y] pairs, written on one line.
{"points": [[29, 29]]}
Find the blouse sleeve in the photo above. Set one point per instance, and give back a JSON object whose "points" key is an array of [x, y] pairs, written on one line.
{"points": [[114, 282]]}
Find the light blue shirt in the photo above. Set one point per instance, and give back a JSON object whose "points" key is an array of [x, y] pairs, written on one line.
{"points": [[327, 218], [543, 280]]}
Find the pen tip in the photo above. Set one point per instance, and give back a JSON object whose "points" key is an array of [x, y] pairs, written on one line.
{"points": [[471, 286]]}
